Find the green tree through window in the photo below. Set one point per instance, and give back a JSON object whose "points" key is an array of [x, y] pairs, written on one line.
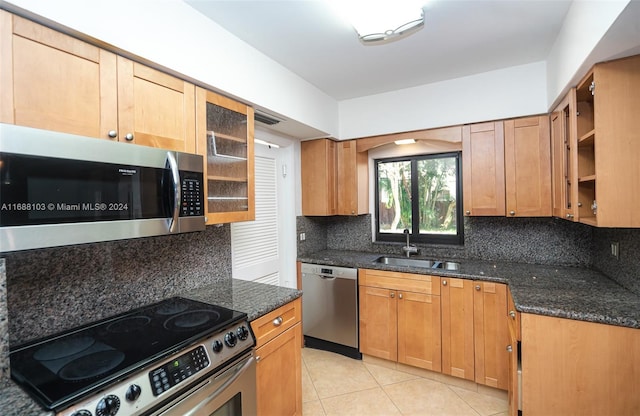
{"points": [[419, 193]]}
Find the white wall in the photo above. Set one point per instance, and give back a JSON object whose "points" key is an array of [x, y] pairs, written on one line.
{"points": [[176, 36], [504, 93], [585, 25]]}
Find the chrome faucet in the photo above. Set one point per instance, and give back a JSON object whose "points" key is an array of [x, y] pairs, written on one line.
{"points": [[409, 249]]}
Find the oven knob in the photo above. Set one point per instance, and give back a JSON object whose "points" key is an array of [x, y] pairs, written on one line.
{"points": [[108, 406], [243, 333], [230, 339], [217, 346], [133, 392], [81, 413]]}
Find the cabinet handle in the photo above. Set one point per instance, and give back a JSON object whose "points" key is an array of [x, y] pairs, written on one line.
{"points": [[393, 295], [400, 295], [467, 212], [278, 321], [444, 283], [478, 288], [129, 137], [113, 134], [512, 314], [509, 348], [569, 216], [512, 213]]}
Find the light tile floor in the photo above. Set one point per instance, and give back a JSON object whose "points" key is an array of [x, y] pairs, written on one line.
{"points": [[336, 385]]}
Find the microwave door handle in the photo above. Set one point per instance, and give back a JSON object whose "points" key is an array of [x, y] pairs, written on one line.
{"points": [[175, 177]]}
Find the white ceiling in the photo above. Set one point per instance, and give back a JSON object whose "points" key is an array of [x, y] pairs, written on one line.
{"points": [[460, 38]]}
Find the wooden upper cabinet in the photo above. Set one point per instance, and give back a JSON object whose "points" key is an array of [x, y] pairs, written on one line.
{"points": [[318, 176], [353, 195], [527, 167], [564, 176], [483, 169], [155, 109], [55, 82], [608, 105], [225, 138]]}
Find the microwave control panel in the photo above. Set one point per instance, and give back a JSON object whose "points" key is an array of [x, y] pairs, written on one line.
{"points": [[192, 195]]}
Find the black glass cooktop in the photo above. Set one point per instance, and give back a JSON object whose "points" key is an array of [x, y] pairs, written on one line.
{"points": [[61, 368]]}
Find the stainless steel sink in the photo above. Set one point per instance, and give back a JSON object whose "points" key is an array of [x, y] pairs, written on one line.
{"points": [[427, 264]]}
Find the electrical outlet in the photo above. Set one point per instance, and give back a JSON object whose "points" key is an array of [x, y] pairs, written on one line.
{"points": [[615, 249], [303, 236]]}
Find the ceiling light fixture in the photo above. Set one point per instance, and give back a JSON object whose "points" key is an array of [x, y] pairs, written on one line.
{"points": [[405, 141], [381, 21]]}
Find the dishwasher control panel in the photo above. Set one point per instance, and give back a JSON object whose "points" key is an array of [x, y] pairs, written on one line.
{"points": [[330, 271]]}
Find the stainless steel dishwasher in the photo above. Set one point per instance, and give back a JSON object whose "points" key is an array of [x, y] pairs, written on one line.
{"points": [[330, 308]]}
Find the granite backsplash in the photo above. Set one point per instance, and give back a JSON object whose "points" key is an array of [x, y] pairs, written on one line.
{"points": [[50, 290], [548, 241]]}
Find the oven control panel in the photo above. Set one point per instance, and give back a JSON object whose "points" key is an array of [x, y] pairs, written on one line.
{"points": [[153, 385], [178, 370]]}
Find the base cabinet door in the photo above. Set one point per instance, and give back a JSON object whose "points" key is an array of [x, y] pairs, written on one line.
{"points": [[579, 368], [491, 334], [419, 330], [279, 374], [279, 360], [457, 328], [378, 322]]}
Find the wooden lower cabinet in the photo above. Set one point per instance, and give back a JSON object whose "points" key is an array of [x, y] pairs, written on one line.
{"points": [[579, 368], [457, 328], [279, 361], [400, 318], [491, 334]]}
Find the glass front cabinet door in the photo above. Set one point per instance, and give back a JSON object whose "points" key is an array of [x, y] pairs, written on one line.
{"points": [[225, 140]]}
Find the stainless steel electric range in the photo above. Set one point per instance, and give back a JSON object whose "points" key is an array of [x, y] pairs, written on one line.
{"points": [[171, 357]]}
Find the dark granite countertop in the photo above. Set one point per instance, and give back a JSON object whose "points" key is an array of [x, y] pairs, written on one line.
{"points": [[256, 299], [15, 402], [565, 292]]}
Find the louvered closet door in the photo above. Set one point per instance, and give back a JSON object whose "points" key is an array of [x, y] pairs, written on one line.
{"points": [[254, 244]]}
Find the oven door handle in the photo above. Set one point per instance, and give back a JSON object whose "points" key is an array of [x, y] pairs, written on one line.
{"points": [[237, 373]]}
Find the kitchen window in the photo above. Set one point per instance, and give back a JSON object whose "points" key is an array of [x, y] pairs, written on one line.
{"points": [[419, 193]]}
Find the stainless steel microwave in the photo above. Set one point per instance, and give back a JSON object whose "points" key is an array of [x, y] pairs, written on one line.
{"points": [[58, 189]]}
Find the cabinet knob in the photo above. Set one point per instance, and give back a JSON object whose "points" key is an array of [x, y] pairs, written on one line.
{"points": [[128, 137], [113, 134], [569, 216], [400, 295], [278, 321], [509, 348], [467, 212], [512, 213], [478, 288], [512, 314], [393, 295], [258, 358], [444, 283]]}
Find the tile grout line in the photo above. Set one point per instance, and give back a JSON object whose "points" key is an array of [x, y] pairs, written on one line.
{"points": [[382, 387]]}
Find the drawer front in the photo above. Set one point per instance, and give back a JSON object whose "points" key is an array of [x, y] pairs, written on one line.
{"points": [[418, 283], [274, 323]]}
